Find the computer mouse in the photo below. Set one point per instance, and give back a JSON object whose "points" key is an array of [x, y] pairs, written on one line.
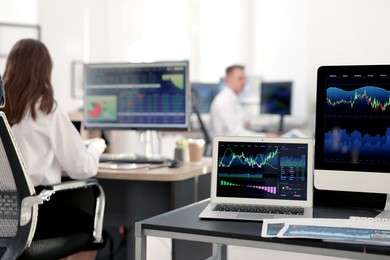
{"points": [[174, 163]]}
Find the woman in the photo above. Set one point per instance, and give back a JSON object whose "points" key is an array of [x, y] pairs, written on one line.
{"points": [[47, 139]]}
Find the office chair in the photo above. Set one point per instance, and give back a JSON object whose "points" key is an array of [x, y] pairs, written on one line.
{"points": [[195, 102], [19, 209]]}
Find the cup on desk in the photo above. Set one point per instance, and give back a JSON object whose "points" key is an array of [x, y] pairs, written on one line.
{"points": [[182, 154], [196, 149]]}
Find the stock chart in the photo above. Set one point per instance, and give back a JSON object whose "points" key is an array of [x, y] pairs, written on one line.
{"points": [[261, 171], [357, 120]]}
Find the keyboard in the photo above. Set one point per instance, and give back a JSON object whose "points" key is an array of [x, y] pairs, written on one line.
{"points": [[259, 209], [130, 158]]}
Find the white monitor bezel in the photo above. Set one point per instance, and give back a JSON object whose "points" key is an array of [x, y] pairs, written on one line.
{"points": [[348, 180]]}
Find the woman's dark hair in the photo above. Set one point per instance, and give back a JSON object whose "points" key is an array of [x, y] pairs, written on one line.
{"points": [[27, 80]]}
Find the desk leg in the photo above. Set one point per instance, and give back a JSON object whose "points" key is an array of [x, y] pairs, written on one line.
{"points": [[185, 193], [217, 251], [140, 243]]}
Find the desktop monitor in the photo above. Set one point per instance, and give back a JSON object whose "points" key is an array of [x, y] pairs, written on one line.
{"points": [[205, 93], [352, 133], [275, 98], [140, 96]]}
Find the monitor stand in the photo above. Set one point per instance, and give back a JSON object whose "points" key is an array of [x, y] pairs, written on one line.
{"points": [[151, 142], [281, 123], [386, 211]]}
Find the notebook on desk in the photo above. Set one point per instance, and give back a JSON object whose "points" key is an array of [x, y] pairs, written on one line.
{"points": [[254, 178]]}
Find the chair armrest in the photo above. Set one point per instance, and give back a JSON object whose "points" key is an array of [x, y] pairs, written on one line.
{"points": [[49, 190], [74, 184]]}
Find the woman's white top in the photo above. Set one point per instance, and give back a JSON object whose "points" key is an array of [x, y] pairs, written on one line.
{"points": [[51, 144]]}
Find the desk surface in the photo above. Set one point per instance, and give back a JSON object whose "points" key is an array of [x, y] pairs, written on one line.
{"points": [[184, 172], [185, 221]]}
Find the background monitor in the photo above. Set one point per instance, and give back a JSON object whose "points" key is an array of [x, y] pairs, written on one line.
{"points": [[352, 135], [205, 93], [250, 94], [149, 96], [275, 98]]}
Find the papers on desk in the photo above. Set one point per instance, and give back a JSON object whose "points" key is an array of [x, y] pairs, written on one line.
{"points": [[335, 230]]}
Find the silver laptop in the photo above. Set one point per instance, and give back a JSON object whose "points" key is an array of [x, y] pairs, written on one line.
{"points": [[254, 178]]}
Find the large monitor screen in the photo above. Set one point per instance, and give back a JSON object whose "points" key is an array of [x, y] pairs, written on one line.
{"points": [[353, 128], [137, 96], [275, 98]]}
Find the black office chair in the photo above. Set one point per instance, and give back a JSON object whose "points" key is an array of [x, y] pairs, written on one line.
{"points": [[19, 207], [195, 103]]}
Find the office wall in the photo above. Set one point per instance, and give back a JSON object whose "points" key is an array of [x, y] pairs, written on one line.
{"points": [[223, 37], [18, 11], [345, 32], [279, 49], [212, 34], [72, 32], [275, 39], [104, 31]]}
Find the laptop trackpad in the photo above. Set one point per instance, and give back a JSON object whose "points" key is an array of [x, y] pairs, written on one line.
{"points": [[254, 216]]}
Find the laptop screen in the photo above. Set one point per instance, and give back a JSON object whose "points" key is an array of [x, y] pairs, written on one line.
{"points": [[263, 170]]}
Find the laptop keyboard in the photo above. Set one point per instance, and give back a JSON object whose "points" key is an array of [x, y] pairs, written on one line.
{"points": [[259, 209]]}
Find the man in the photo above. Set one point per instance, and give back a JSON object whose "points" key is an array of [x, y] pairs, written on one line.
{"points": [[226, 113]]}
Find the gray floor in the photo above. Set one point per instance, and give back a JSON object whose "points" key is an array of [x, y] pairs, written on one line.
{"points": [[160, 249]]}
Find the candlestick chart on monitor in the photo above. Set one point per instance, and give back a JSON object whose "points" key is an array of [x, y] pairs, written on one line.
{"points": [[356, 122]]}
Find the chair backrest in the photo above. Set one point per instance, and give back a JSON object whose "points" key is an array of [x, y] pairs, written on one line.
{"points": [[195, 102], [2, 94], [15, 185]]}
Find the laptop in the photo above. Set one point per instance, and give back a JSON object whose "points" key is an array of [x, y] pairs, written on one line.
{"points": [[255, 178]]}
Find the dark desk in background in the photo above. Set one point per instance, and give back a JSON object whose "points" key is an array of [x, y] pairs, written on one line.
{"points": [[184, 224], [133, 195]]}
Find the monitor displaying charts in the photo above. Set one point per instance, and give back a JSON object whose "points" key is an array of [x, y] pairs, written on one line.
{"points": [[353, 129], [137, 96], [275, 98], [205, 93]]}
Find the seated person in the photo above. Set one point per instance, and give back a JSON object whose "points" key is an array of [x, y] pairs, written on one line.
{"points": [[46, 137], [226, 112]]}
